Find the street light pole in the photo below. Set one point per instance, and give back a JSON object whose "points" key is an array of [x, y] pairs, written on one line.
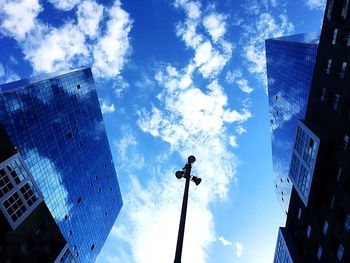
{"points": [[186, 173]]}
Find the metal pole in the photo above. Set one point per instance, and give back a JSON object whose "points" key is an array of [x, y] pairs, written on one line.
{"points": [[180, 236]]}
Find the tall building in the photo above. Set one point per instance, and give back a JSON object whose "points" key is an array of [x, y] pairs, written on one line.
{"points": [[28, 232], [318, 221], [290, 65], [56, 122]]}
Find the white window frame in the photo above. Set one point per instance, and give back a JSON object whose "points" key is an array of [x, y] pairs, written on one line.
{"points": [[303, 161], [28, 179]]}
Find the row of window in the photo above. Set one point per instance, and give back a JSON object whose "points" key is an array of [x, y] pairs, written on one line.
{"points": [[340, 70], [344, 9]]}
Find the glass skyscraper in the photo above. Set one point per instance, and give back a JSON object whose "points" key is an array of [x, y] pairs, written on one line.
{"points": [[290, 64], [56, 122]]}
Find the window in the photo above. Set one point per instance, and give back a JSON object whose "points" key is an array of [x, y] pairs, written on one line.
{"points": [[346, 39], [330, 9], [325, 227], [29, 193], [69, 135], [14, 206], [319, 253], [335, 101], [17, 173], [308, 231], [345, 143], [342, 70], [327, 69], [332, 202], [93, 246], [339, 173], [5, 183], [334, 38], [347, 223], [344, 10], [299, 142], [79, 199], [340, 252], [299, 213], [323, 94], [78, 86]]}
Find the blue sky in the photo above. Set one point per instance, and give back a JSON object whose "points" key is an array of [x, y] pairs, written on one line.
{"points": [[174, 78]]}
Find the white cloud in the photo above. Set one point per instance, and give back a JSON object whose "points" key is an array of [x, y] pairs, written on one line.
{"points": [[210, 56], [253, 39], [7, 75], [107, 107], [233, 142], [74, 44], [89, 16], [315, 4], [238, 249], [111, 49], [266, 27], [18, 17], [64, 5], [224, 242], [119, 85], [129, 157], [236, 76], [51, 49], [2, 71], [215, 25], [240, 130]]}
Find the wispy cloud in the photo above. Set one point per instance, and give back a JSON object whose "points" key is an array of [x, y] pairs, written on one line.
{"points": [[192, 119], [224, 242], [129, 157], [7, 75], [315, 4], [107, 107], [238, 249], [236, 76], [264, 26], [210, 55]]}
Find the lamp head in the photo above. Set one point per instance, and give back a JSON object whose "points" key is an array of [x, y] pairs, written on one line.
{"points": [[179, 174], [196, 180], [191, 159]]}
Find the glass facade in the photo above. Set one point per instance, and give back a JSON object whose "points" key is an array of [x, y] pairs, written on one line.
{"points": [[290, 64], [57, 124]]}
